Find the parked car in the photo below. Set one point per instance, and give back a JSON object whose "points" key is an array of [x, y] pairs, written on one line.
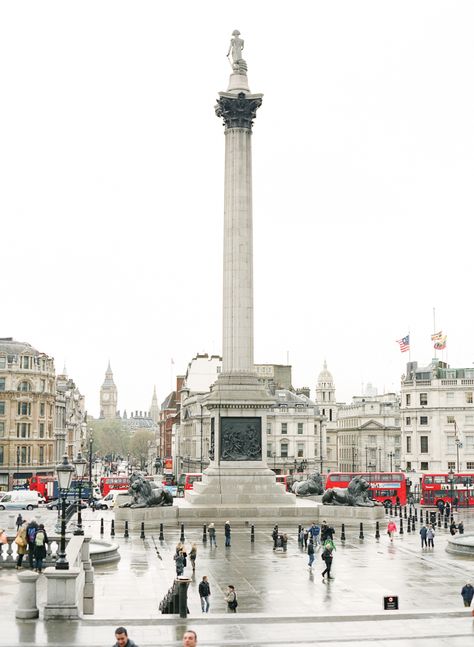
{"points": [[19, 500], [113, 499]]}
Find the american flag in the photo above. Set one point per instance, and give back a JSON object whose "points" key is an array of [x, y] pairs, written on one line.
{"points": [[404, 343]]}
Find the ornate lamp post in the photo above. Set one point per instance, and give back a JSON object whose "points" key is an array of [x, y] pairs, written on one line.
{"points": [[80, 465], [391, 455], [91, 442], [64, 471], [451, 483]]}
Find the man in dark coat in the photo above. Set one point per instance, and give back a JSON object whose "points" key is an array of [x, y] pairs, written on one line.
{"points": [[227, 533], [204, 593], [467, 593]]}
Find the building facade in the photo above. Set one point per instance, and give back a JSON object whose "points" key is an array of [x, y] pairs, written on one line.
{"points": [[328, 407], [108, 396], [27, 409], [70, 419], [437, 409], [369, 434]]}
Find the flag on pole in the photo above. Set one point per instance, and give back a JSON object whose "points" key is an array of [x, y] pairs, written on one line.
{"points": [[440, 344], [437, 335], [404, 343]]}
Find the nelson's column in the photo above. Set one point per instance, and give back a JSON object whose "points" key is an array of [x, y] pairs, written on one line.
{"points": [[238, 474]]}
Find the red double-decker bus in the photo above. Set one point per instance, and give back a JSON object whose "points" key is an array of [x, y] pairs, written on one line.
{"points": [[108, 483], [385, 487], [444, 487]]}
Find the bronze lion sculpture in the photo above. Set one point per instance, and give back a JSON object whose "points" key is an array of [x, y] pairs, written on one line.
{"points": [[312, 485], [356, 494], [146, 494]]}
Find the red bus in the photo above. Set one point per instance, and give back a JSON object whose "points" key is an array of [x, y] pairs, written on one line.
{"points": [[437, 487], [285, 480], [384, 486], [44, 485], [186, 480], [108, 483]]}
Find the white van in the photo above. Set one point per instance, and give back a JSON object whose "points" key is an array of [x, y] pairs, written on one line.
{"points": [[20, 500], [114, 499]]}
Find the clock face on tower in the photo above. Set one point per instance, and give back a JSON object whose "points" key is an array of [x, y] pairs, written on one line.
{"points": [[105, 397]]}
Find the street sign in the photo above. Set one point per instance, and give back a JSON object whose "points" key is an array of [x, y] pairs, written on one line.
{"points": [[390, 603]]}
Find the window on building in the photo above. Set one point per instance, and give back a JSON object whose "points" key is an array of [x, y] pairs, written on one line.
{"points": [[470, 465], [408, 444], [43, 386], [451, 465], [2, 429], [23, 456], [408, 465], [41, 430], [42, 409], [2, 384], [469, 420], [300, 450], [423, 420], [424, 465], [423, 399], [450, 420], [269, 427], [469, 397], [469, 443], [24, 386], [25, 362], [316, 430], [284, 450], [407, 399], [24, 408], [300, 427], [450, 396], [23, 429], [330, 415], [2, 407], [408, 421], [3, 361], [372, 440], [269, 450], [41, 455], [284, 427], [424, 444], [451, 445]]}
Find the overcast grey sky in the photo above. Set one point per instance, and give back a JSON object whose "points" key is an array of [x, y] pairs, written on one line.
{"points": [[111, 196]]}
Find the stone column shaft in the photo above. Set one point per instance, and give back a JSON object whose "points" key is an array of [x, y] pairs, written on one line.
{"points": [[238, 254]]}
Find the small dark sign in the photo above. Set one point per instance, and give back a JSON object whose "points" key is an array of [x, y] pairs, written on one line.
{"points": [[390, 603]]}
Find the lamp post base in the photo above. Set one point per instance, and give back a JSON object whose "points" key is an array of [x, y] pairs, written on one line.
{"points": [[62, 564]]}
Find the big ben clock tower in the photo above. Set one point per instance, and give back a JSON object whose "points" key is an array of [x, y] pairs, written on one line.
{"points": [[108, 396]]}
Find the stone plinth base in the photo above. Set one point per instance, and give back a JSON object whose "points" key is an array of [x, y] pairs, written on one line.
{"points": [[63, 597], [27, 608], [350, 515]]}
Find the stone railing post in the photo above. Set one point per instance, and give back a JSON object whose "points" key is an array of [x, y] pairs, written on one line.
{"points": [[88, 594], [27, 608]]}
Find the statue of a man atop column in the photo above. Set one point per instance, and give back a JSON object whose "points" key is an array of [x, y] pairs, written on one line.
{"points": [[235, 48]]}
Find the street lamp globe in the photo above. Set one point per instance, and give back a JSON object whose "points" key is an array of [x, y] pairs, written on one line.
{"points": [[80, 464], [64, 471]]}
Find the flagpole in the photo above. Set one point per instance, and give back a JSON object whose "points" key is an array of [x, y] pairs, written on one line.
{"points": [[409, 346], [434, 330]]}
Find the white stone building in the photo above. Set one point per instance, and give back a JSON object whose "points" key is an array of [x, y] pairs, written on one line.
{"points": [[437, 408], [328, 407], [369, 435]]}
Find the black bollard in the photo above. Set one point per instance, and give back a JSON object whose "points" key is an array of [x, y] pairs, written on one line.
{"points": [[252, 534], [409, 525], [112, 528], [181, 538], [446, 521], [413, 524], [161, 537], [125, 534], [427, 518], [386, 510], [405, 512], [391, 511], [343, 533], [361, 533], [416, 514], [204, 534], [377, 530], [439, 519], [102, 526], [142, 532], [401, 526]]}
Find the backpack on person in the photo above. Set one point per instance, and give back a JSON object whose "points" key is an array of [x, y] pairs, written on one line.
{"points": [[31, 534], [39, 539]]}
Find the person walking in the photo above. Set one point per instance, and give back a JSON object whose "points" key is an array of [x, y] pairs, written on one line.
{"points": [[440, 506], [430, 535], [41, 539], [467, 593], [301, 537], [305, 537], [122, 639], [19, 522], [31, 529], [179, 561], [310, 554], [327, 532], [453, 528], [204, 593], [212, 535], [231, 599], [423, 533], [275, 537], [314, 533], [21, 545], [391, 529], [447, 509], [227, 534], [193, 555], [326, 556], [461, 527]]}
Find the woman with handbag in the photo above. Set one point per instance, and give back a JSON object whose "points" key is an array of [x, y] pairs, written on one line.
{"points": [[21, 545]]}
